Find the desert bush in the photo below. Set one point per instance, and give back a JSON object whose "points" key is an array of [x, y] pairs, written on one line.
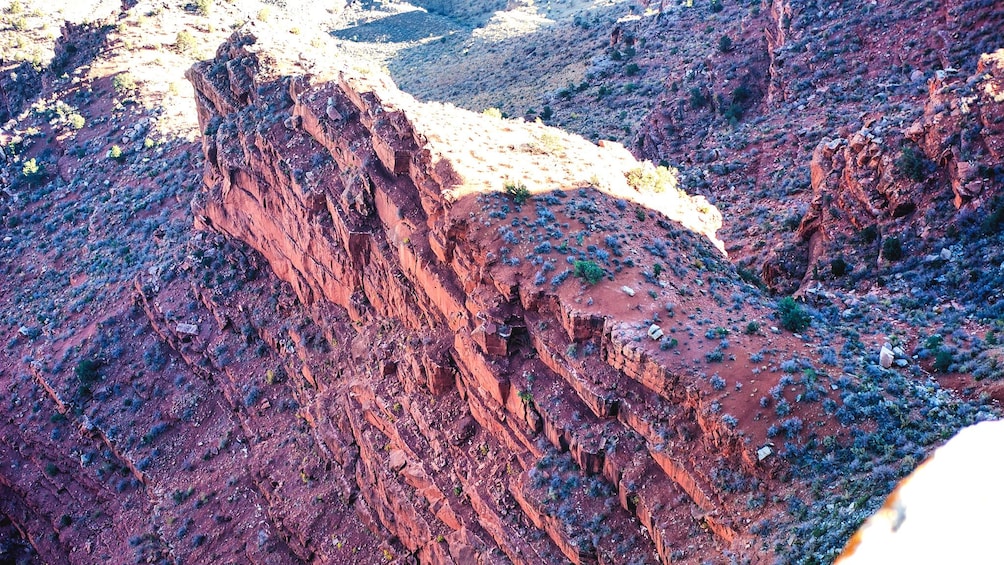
{"points": [[87, 370], [725, 44], [838, 267], [912, 164], [33, 171], [942, 360], [792, 316], [892, 249], [993, 220], [124, 84], [517, 190], [697, 98], [203, 7], [588, 271], [184, 41], [652, 179]]}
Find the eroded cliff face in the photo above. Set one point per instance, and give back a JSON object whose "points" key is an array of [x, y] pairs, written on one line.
{"points": [[781, 109], [475, 392], [880, 174]]}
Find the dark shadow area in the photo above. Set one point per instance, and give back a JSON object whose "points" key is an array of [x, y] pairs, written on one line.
{"points": [[399, 28], [79, 45]]}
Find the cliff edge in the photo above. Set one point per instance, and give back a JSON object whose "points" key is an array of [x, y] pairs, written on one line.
{"points": [[527, 287]]}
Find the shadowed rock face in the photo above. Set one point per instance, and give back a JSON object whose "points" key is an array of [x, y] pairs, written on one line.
{"points": [[863, 181], [458, 8], [362, 198]]}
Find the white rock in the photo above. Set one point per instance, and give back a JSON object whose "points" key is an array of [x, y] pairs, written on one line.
{"points": [[189, 329], [655, 332], [886, 357], [628, 290]]}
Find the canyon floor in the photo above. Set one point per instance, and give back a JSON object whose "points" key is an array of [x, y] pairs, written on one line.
{"points": [[569, 281]]}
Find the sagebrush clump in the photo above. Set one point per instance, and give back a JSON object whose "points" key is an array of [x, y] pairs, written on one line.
{"points": [[792, 316]]}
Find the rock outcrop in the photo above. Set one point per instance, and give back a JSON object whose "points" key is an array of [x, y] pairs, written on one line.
{"points": [[487, 386], [882, 173]]}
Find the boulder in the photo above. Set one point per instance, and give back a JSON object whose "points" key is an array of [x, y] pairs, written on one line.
{"points": [[886, 357]]}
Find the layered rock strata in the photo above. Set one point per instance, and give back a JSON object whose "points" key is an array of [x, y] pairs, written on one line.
{"points": [[489, 404]]}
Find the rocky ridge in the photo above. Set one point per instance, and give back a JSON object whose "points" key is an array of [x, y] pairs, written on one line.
{"points": [[356, 199]]}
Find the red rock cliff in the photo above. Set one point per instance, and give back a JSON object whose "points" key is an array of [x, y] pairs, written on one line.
{"points": [[490, 393]]}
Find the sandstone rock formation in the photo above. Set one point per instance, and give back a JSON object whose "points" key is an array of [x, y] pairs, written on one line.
{"points": [[360, 197], [865, 180]]}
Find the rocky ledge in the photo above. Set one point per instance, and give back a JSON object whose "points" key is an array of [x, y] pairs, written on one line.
{"points": [[517, 364]]}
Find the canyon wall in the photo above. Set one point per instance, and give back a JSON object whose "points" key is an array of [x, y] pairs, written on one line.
{"points": [[487, 400]]}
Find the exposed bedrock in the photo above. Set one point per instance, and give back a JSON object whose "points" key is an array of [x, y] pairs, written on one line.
{"points": [[475, 406]]}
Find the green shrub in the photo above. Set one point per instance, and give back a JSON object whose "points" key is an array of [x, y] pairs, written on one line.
{"points": [[892, 249], [741, 94], [716, 6], [115, 153], [33, 171], [124, 84], [942, 360], [493, 113], [912, 164], [993, 220], [631, 69], [519, 192], [792, 316], [697, 98], [838, 267], [184, 41], [203, 7], [733, 113], [87, 370], [652, 179], [588, 271], [725, 44], [77, 121]]}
